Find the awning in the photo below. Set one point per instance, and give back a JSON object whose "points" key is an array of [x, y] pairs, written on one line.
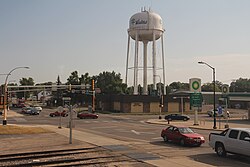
{"points": [[237, 98]]}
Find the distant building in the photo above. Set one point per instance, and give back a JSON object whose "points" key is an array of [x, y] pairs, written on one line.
{"points": [[44, 95]]}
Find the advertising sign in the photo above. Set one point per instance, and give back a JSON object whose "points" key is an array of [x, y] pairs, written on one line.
{"points": [[225, 89], [195, 84]]}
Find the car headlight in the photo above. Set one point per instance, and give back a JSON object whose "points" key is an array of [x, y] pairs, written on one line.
{"points": [[202, 138]]}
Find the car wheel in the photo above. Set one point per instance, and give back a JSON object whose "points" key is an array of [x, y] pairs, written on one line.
{"points": [[184, 119], [182, 142], [165, 138], [220, 150]]}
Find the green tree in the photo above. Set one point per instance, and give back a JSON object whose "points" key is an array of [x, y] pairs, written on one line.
{"points": [[240, 85], [178, 86], [110, 83], [85, 79], [73, 79], [25, 82], [209, 87]]}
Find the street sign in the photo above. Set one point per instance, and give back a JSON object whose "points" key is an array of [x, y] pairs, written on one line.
{"points": [[66, 98], [195, 99], [219, 110]]}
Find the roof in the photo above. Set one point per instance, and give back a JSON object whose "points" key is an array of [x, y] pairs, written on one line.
{"points": [[242, 129]]}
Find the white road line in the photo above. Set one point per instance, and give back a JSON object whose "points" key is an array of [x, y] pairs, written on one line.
{"points": [[103, 127], [149, 133], [20, 119], [138, 133], [156, 138]]}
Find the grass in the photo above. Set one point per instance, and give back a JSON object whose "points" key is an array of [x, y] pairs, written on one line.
{"points": [[15, 130]]}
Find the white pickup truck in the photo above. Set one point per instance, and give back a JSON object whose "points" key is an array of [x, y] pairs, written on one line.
{"points": [[232, 140]]}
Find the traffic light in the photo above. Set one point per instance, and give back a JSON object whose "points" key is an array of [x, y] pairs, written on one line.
{"points": [[93, 84]]}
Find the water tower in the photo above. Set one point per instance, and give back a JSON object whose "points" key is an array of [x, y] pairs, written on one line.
{"points": [[146, 27]]}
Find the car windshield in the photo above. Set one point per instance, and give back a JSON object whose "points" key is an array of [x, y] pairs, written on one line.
{"points": [[186, 130]]}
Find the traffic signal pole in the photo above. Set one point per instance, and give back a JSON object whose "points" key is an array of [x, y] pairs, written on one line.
{"points": [[93, 95]]}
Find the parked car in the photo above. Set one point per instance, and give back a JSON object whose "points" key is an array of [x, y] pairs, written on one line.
{"points": [[57, 114], [39, 108], [182, 135], [171, 117], [210, 113], [233, 140], [26, 110], [30, 110], [84, 115], [34, 111]]}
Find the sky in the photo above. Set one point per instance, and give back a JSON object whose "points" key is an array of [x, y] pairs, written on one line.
{"points": [[57, 37]]}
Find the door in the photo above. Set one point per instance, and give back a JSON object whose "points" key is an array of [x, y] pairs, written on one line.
{"points": [[231, 143], [244, 146]]}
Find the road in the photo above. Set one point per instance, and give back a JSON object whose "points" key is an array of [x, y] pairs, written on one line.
{"points": [[142, 136]]}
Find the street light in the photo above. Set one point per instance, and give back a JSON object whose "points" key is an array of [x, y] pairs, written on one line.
{"points": [[201, 62], [161, 97], [181, 97], [5, 94]]}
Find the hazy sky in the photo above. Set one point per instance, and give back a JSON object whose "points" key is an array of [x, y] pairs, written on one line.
{"points": [[57, 37]]}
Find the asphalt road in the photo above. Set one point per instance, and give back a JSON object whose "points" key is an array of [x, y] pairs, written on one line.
{"points": [[141, 135]]}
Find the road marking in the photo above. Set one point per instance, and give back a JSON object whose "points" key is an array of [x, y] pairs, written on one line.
{"points": [[138, 133], [156, 138], [20, 119], [149, 133], [103, 127]]}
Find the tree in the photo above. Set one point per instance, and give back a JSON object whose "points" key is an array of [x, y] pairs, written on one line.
{"points": [[25, 82], [73, 79], [209, 87], [178, 86], [110, 83], [85, 79], [240, 85]]}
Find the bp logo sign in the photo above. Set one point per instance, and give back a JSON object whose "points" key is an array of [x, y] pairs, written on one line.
{"points": [[195, 84], [225, 89]]}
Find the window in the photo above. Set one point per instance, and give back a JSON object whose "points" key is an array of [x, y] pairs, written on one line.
{"points": [[224, 132], [243, 135], [233, 134], [170, 128]]}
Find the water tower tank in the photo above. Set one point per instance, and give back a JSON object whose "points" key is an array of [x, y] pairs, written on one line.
{"points": [[148, 23], [146, 27]]}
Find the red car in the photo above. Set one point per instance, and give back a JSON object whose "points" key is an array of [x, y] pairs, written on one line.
{"points": [[84, 115], [57, 114], [182, 135]]}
